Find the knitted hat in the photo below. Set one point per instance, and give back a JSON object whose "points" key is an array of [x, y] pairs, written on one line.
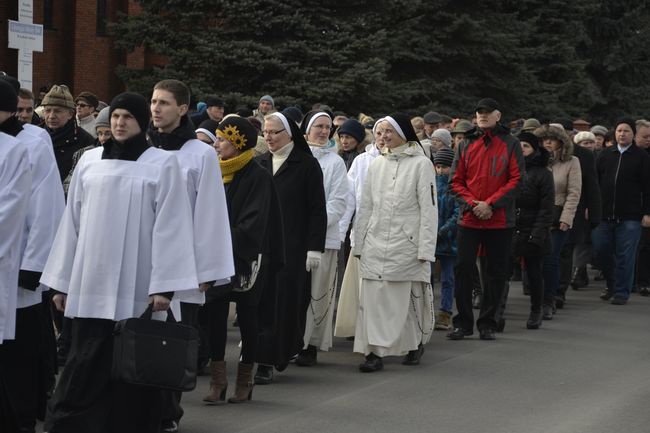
{"points": [[268, 98], [529, 138], [402, 124], [531, 124], [462, 126], [354, 129], [88, 98], [103, 119], [487, 104], [293, 113], [628, 121], [209, 128], [582, 136], [444, 157], [59, 96], [135, 104], [8, 97], [599, 130], [214, 101], [432, 118], [444, 135], [239, 132]]}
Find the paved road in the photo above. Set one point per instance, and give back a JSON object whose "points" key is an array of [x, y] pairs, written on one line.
{"points": [[587, 370]]}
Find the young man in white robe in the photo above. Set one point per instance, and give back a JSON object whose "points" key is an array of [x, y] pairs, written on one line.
{"points": [[172, 131], [125, 241], [46, 203], [15, 186]]}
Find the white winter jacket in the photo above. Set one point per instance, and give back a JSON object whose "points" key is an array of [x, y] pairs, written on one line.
{"points": [[397, 223], [357, 178], [336, 191]]}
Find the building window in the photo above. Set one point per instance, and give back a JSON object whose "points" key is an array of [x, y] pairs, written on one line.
{"points": [[47, 14], [101, 17]]}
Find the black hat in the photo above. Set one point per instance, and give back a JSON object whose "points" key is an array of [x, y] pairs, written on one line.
{"points": [[11, 80], [487, 104], [135, 104], [432, 118], [628, 121], [8, 97], [404, 122], [239, 132], [293, 113], [209, 128], [444, 157], [88, 98], [566, 123], [354, 129], [214, 101], [529, 138]]}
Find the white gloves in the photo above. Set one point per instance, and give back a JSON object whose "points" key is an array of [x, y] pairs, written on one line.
{"points": [[313, 260]]}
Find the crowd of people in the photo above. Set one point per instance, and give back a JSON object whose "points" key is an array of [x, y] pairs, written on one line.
{"points": [[315, 225]]}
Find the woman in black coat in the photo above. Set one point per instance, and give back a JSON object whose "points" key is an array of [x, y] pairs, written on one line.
{"points": [[255, 225], [534, 203], [299, 181]]}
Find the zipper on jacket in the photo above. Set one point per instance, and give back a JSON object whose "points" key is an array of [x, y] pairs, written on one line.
{"points": [[620, 156]]}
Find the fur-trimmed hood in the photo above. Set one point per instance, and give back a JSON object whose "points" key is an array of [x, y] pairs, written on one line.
{"points": [[547, 131]]}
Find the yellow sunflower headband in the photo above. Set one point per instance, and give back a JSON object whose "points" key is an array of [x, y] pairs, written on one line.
{"points": [[232, 134]]}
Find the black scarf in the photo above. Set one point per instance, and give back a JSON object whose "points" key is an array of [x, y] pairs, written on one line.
{"points": [[173, 140], [61, 135], [129, 150], [11, 126]]}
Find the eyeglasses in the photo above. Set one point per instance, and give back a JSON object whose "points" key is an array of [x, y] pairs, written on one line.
{"points": [[82, 105], [274, 133]]}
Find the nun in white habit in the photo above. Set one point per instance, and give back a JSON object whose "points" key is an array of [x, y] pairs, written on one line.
{"points": [[396, 240]]}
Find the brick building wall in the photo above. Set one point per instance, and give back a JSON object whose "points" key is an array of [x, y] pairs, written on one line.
{"points": [[73, 52]]}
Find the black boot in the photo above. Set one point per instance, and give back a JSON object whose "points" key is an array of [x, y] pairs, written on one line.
{"points": [[307, 357], [413, 357], [264, 375], [534, 320], [371, 364]]}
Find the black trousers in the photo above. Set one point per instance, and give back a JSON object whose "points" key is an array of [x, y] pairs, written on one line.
{"points": [[171, 400], [20, 360], [496, 243], [643, 260], [248, 327], [566, 268], [87, 400]]}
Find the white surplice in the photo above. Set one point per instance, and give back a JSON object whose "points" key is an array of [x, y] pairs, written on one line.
{"points": [[212, 240], [126, 233], [15, 185], [46, 204]]}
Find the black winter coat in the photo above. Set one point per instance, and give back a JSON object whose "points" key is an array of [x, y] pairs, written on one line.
{"points": [[66, 141], [299, 183], [534, 203], [589, 197], [624, 183], [256, 228]]}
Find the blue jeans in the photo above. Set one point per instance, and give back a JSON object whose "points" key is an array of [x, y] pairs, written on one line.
{"points": [[615, 246], [447, 282], [551, 265]]}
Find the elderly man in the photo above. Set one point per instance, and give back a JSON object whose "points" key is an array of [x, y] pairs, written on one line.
{"points": [[60, 123], [485, 176]]}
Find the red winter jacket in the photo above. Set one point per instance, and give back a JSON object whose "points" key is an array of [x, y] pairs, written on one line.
{"points": [[488, 167]]}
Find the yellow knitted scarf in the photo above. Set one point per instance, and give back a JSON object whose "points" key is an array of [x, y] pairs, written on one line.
{"points": [[231, 166]]}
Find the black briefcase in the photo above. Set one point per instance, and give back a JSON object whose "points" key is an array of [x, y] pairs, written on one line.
{"points": [[154, 353]]}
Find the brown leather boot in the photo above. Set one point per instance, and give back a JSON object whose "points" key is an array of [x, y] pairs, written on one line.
{"points": [[218, 383], [244, 389]]}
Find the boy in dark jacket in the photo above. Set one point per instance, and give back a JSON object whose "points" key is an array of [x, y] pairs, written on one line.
{"points": [[446, 244]]}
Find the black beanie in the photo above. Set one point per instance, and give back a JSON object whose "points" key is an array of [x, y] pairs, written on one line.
{"points": [[404, 122], [293, 113], [530, 139], [239, 132], [13, 81], [8, 97], [354, 129], [628, 121], [135, 104]]}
